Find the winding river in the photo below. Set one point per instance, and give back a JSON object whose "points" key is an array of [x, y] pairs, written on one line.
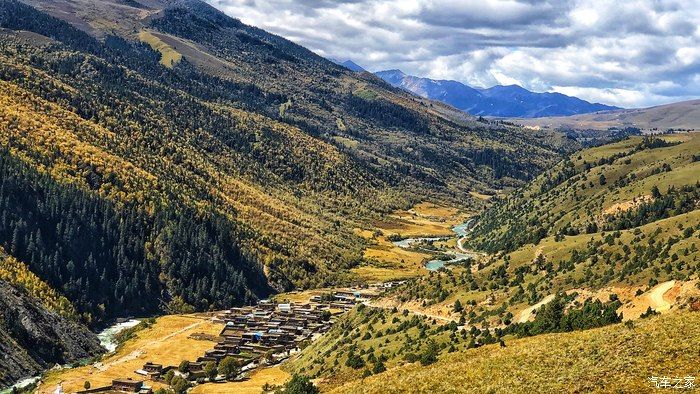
{"points": [[460, 252], [107, 336]]}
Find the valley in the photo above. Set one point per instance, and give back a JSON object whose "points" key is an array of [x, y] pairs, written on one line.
{"points": [[189, 203]]}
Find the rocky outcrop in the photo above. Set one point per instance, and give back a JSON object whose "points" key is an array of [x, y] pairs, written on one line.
{"points": [[33, 338]]}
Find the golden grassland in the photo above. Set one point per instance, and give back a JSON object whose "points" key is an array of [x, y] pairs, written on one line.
{"points": [[299, 296], [165, 342], [481, 196], [612, 359], [169, 56], [252, 385]]}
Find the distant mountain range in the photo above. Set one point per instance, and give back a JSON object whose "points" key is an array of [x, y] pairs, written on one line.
{"points": [[505, 101]]}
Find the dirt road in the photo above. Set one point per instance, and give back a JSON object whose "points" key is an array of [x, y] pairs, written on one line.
{"points": [[526, 313]]}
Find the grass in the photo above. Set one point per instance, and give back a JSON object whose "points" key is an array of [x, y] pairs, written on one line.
{"points": [[610, 359], [325, 359], [166, 342], [169, 56], [252, 385], [557, 207]]}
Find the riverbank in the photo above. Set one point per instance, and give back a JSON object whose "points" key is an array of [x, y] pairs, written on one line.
{"points": [[460, 253], [108, 340]]}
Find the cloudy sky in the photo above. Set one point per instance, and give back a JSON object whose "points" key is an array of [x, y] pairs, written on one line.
{"points": [[625, 53]]}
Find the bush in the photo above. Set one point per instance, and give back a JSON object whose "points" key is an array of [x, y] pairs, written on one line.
{"points": [[179, 385], [299, 385], [429, 356], [169, 376], [649, 313], [210, 370], [378, 367], [229, 368], [355, 361]]}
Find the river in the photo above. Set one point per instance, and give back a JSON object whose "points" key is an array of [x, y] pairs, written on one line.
{"points": [[107, 336], [460, 253]]}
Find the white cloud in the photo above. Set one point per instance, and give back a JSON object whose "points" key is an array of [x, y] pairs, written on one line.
{"points": [[632, 53]]}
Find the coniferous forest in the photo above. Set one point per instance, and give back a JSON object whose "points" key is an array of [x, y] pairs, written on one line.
{"points": [[110, 260]]}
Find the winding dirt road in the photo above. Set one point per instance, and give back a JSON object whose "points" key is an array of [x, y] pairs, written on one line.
{"points": [[656, 296]]}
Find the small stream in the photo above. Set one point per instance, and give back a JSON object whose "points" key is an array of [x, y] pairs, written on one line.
{"points": [[463, 229], [21, 384]]}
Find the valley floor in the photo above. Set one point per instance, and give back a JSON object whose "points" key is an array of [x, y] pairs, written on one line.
{"points": [[166, 342]]}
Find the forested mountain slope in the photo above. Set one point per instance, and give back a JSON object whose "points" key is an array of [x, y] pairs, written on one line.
{"points": [[212, 163]]}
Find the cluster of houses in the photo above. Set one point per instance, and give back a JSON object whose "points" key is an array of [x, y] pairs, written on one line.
{"points": [[265, 333]]}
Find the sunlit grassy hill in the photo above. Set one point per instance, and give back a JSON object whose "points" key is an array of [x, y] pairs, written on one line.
{"points": [[613, 359], [625, 212]]}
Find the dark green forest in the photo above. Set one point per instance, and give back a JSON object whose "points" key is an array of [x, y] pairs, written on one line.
{"points": [[108, 260]]}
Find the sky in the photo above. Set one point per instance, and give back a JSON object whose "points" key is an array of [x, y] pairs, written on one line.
{"points": [[623, 53]]}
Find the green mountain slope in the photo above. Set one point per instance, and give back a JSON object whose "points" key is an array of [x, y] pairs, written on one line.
{"points": [[213, 163], [610, 233]]}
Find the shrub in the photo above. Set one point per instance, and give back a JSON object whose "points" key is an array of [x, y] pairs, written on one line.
{"points": [[300, 385]]}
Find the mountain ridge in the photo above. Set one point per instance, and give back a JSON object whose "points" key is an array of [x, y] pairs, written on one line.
{"points": [[499, 100], [678, 116]]}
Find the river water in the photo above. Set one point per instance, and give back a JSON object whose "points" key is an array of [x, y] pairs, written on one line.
{"points": [[107, 336]]}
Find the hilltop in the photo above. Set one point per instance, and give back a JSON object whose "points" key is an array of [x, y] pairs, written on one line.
{"points": [[681, 116]]}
